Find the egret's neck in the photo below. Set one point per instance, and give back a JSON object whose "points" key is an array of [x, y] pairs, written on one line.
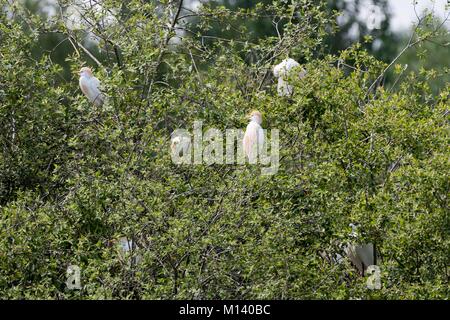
{"points": [[85, 76]]}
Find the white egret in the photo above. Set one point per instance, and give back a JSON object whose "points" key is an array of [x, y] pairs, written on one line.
{"points": [[127, 246], [361, 256], [90, 86], [282, 72], [254, 137]]}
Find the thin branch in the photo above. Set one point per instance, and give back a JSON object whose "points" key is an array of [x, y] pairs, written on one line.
{"points": [[88, 52]]}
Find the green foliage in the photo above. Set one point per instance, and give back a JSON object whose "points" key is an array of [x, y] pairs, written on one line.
{"points": [[430, 58], [75, 178]]}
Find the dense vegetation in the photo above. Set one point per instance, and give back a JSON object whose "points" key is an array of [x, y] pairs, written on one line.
{"points": [[75, 178]]}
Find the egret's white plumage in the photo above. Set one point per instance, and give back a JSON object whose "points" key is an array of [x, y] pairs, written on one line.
{"points": [[362, 256], [282, 71], [90, 86], [254, 137], [127, 246]]}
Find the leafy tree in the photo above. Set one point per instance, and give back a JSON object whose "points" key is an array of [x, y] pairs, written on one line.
{"points": [[76, 178], [430, 55]]}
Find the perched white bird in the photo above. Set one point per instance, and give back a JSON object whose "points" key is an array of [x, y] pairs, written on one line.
{"points": [[90, 86], [180, 146], [282, 71], [362, 256], [126, 246], [254, 137]]}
